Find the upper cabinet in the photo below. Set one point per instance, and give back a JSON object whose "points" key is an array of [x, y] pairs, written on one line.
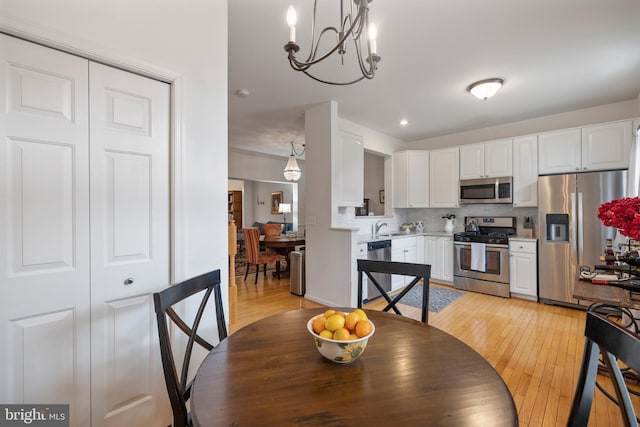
{"points": [[411, 179], [525, 171], [607, 146], [443, 178], [599, 147], [486, 160], [350, 170]]}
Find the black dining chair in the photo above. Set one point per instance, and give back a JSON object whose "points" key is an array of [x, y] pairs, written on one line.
{"points": [[612, 341], [419, 272], [178, 388]]}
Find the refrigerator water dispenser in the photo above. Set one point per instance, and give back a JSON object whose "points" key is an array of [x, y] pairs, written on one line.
{"points": [[558, 227]]}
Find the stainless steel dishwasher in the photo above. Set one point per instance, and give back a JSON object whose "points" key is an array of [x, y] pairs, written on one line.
{"points": [[381, 251]]}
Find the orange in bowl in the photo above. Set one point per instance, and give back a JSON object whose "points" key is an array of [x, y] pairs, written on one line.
{"points": [[342, 347]]}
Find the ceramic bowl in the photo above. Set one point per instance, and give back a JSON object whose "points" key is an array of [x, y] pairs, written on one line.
{"points": [[339, 351]]}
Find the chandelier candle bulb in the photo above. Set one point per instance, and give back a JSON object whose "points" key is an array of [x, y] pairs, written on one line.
{"points": [[373, 35], [291, 21]]}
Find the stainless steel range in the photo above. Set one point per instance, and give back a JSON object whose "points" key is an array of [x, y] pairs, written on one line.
{"points": [[481, 257]]}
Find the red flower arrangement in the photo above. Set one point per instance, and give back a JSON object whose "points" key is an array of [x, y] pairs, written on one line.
{"points": [[623, 214]]}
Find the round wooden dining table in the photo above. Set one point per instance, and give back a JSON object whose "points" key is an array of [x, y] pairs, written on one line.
{"points": [[269, 373]]}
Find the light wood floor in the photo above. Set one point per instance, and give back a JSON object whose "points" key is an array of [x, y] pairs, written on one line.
{"points": [[536, 348]]}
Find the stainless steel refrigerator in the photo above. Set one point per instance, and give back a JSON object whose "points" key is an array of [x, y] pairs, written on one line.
{"points": [[571, 235]]}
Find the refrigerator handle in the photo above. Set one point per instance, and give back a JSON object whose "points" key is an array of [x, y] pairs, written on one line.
{"points": [[580, 230], [574, 226]]}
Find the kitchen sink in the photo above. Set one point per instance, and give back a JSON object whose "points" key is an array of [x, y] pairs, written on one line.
{"points": [[394, 233]]}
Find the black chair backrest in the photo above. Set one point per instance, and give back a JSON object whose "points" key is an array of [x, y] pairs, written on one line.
{"points": [[417, 271], [613, 342], [178, 388]]}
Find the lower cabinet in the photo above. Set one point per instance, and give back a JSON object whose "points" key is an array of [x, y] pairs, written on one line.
{"points": [[523, 268], [403, 250], [439, 254]]}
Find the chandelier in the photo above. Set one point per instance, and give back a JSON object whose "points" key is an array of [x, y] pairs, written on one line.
{"points": [[292, 170], [353, 26]]}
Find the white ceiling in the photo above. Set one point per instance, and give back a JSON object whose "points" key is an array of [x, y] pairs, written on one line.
{"points": [[555, 56]]}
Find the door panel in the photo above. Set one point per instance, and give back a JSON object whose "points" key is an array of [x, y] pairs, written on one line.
{"points": [[43, 346], [44, 228], [594, 189], [557, 259], [128, 192], [128, 340], [129, 244]]}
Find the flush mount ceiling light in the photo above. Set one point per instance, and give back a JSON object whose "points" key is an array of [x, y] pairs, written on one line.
{"points": [[292, 170], [353, 26], [485, 89]]}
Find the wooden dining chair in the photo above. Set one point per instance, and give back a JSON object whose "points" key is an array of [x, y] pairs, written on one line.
{"points": [[272, 230], [419, 272], [615, 343], [255, 256], [178, 388]]}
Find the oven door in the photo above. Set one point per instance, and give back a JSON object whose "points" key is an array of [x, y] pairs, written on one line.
{"points": [[497, 263]]}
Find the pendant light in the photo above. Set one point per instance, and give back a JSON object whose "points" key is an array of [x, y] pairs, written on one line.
{"points": [[292, 171]]}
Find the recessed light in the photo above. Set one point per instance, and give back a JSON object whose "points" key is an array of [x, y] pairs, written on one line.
{"points": [[404, 122]]}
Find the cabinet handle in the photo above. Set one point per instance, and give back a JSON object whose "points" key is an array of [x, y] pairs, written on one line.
{"points": [[128, 281]]}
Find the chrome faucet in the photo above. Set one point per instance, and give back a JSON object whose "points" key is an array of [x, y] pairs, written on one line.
{"points": [[379, 225]]}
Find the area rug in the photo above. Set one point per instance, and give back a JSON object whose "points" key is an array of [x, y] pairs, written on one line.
{"points": [[439, 298]]}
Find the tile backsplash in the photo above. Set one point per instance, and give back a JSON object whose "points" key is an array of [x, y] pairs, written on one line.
{"points": [[432, 217]]}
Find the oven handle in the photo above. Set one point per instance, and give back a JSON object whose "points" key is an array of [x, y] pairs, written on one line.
{"points": [[488, 245]]}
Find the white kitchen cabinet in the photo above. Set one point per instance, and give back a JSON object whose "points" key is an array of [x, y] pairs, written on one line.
{"points": [[403, 250], [420, 259], [472, 161], [559, 151], [439, 254], [606, 146], [591, 148], [486, 160], [350, 170], [444, 177], [525, 171], [445, 246], [411, 179], [523, 268], [431, 255]]}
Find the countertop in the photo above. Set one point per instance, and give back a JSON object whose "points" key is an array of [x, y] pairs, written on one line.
{"points": [[366, 238]]}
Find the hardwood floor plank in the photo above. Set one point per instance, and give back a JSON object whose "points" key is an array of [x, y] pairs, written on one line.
{"points": [[536, 348]]}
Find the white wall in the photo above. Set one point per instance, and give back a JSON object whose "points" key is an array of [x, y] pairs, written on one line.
{"points": [[374, 181], [587, 116]]}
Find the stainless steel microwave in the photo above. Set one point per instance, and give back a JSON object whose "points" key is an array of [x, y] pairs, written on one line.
{"points": [[486, 190]]}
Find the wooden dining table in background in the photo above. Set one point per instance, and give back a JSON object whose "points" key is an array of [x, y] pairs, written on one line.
{"points": [[410, 374], [283, 245]]}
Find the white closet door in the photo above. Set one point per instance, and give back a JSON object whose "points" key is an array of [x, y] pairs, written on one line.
{"points": [[129, 122], [44, 228]]}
